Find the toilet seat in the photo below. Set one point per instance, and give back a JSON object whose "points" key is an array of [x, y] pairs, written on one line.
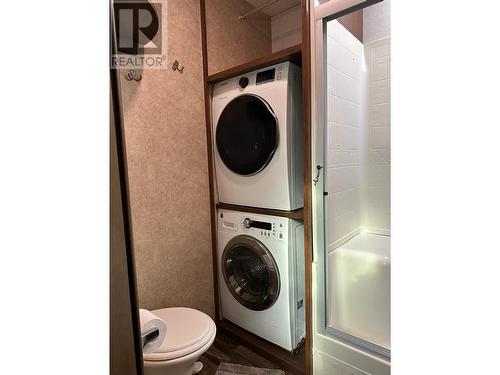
{"points": [[187, 331]]}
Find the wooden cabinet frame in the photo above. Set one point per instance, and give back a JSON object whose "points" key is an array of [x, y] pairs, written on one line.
{"points": [[302, 362]]}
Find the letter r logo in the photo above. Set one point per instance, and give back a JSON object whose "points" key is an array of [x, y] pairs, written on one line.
{"points": [[138, 26]]}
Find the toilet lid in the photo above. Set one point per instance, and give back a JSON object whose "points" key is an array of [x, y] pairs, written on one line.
{"points": [[187, 331]]}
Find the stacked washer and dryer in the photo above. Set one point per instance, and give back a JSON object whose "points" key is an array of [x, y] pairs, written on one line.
{"points": [[258, 136]]}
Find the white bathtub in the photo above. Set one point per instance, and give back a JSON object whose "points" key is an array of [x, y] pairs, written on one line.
{"points": [[359, 294]]}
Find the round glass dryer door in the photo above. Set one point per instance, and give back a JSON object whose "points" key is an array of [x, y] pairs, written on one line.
{"points": [[250, 273], [247, 134]]}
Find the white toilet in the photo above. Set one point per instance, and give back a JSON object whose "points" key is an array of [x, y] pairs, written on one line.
{"points": [[189, 334]]}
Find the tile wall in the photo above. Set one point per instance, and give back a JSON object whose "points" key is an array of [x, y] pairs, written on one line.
{"points": [[358, 135], [378, 170], [345, 70]]}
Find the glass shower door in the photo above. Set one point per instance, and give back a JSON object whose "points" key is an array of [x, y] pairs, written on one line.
{"points": [[352, 199]]}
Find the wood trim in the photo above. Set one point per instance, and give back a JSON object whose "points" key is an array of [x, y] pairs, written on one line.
{"points": [[289, 361], [292, 54], [308, 239], [208, 126], [295, 215]]}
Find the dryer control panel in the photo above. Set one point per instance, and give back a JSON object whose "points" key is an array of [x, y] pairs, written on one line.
{"points": [[265, 76]]}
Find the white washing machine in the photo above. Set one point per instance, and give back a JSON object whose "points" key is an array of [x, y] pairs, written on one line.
{"points": [[261, 275], [258, 138]]}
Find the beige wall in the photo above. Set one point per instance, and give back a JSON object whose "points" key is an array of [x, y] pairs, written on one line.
{"points": [[231, 42], [167, 162], [287, 28]]}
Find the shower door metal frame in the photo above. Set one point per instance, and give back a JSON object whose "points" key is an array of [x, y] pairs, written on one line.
{"points": [[322, 14]]}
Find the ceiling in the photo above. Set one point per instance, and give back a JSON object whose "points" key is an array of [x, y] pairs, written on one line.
{"points": [[278, 7]]}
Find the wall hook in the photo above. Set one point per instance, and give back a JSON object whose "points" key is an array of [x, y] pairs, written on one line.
{"points": [[133, 76], [175, 66]]}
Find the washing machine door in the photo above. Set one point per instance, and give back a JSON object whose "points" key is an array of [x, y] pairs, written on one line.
{"points": [[250, 273], [247, 134]]}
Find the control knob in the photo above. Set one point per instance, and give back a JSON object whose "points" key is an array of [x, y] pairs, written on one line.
{"points": [[243, 82], [247, 223]]}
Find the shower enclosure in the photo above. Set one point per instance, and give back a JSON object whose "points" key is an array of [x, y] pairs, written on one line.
{"points": [[351, 194]]}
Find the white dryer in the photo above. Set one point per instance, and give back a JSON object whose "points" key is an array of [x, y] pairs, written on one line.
{"points": [[261, 275], [258, 138]]}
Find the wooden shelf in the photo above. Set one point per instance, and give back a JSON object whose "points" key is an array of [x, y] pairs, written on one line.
{"points": [[294, 363], [293, 54], [295, 215]]}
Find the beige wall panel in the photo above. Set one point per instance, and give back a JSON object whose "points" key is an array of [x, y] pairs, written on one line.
{"points": [[167, 161], [287, 28], [232, 42]]}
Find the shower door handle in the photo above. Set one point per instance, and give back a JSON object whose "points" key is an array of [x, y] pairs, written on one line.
{"points": [[318, 172]]}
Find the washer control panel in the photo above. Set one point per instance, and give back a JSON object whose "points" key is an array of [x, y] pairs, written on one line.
{"points": [[265, 227]]}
